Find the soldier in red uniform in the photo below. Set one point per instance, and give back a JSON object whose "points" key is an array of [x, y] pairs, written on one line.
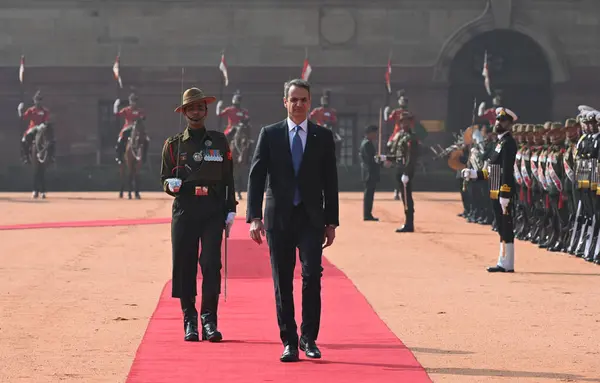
{"points": [[37, 115], [327, 117], [130, 114], [490, 114], [234, 113]]}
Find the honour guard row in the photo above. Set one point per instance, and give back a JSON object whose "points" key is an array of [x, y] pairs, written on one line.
{"points": [[545, 189]]}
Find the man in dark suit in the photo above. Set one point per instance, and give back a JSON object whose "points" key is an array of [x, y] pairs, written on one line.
{"points": [[301, 211], [369, 169]]}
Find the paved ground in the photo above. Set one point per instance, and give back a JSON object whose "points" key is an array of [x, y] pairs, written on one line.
{"points": [[74, 302]]}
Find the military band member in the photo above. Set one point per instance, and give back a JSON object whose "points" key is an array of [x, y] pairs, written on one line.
{"points": [[404, 153], [502, 187], [197, 169], [370, 170]]}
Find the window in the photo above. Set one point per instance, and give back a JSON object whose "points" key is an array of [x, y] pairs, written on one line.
{"points": [[347, 130]]}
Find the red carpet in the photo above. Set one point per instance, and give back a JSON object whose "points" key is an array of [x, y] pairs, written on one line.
{"points": [[91, 223], [356, 345]]}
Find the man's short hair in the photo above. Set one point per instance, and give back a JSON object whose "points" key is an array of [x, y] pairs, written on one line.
{"points": [[295, 82], [371, 129]]}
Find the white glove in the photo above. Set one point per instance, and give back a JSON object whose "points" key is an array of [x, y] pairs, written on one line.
{"points": [[404, 179], [469, 173], [229, 219], [219, 106], [386, 113], [174, 184], [504, 203], [116, 106], [20, 108]]}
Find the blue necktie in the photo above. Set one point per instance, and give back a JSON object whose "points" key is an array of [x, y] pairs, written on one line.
{"points": [[297, 153]]}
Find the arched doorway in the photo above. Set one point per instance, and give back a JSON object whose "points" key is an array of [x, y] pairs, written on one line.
{"points": [[517, 66]]}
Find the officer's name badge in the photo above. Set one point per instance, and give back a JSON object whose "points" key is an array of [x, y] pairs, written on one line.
{"points": [[213, 155], [198, 156], [201, 191]]}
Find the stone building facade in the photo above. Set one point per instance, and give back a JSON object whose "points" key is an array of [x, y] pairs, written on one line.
{"points": [[544, 56]]}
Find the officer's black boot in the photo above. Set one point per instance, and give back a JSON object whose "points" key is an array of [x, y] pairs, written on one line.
{"points": [[25, 151], [408, 226], [208, 313], [120, 150], [190, 319]]}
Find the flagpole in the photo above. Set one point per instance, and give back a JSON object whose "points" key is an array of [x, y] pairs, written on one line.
{"points": [[22, 81], [221, 89], [388, 91]]}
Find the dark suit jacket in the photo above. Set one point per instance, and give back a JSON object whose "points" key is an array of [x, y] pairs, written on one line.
{"points": [[369, 169], [317, 178]]}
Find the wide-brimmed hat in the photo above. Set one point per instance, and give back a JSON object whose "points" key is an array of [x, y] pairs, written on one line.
{"points": [[194, 95]]}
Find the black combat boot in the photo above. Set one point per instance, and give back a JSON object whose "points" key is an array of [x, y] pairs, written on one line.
{"points": [[208, 313], [408, 226], [25, 152], [190, 319]]}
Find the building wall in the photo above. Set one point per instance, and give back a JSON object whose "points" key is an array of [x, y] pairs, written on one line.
{"points": [[70, 47]]}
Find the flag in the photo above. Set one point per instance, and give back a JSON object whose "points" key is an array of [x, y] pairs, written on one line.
{"points": [[306, 69], [486, 74], [116, 72], [388, 76], [22, 69], [223, 69]]}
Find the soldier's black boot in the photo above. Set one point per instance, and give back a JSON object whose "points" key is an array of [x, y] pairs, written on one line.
{"points": [[208, 313], [25, 151], [190, 319], [408, 226], [120, 151]]}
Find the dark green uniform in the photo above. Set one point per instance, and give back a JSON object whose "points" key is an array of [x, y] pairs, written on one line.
{"points": [[405, 151], [370, 173], [199, 211]]}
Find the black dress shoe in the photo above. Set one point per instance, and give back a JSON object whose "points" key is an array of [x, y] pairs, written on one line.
{"points": [[310, 348], [499, 269], [406, 229], [290, 354], [191, 329], [210, 332]]}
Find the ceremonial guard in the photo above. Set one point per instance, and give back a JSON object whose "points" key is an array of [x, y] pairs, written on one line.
{"points": [[370, 170], [523, 179], [555, 175], [502, 186], [594, 207], [235, 114], [596, 256], [404, 153], [36, 115], [130, 114], [570, 183], [545, 220], [197, 169], [326, 116], [489, 115], [583, 173]]}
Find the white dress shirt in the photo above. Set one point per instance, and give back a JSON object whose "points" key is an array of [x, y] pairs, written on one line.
{"points": [[302, 132]]}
